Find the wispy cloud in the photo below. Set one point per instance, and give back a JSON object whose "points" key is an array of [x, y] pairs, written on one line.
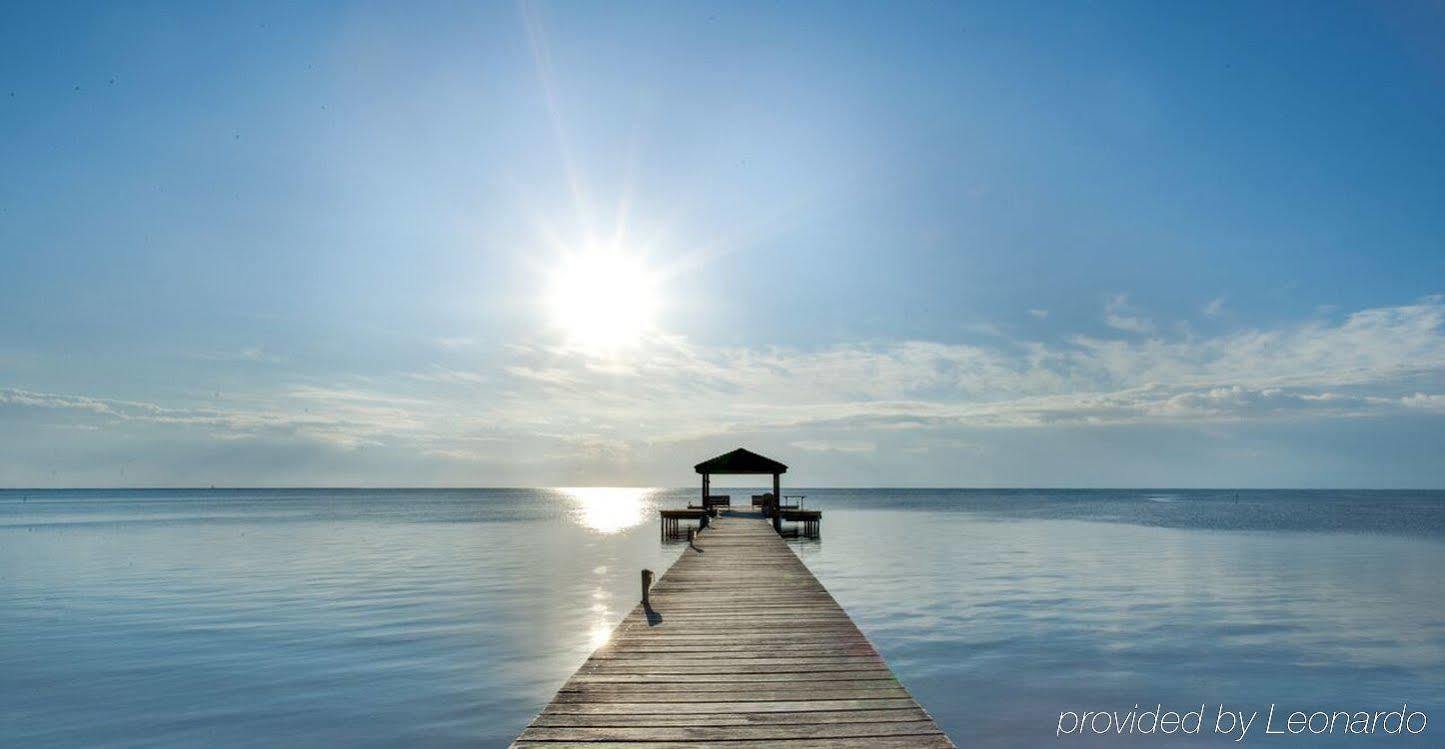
{"points": [[1423, 402], [438, 373], [1365, 365], [835, 446], [565, 405], [983, 328], [1039, 313], [1215, 307], [1121, 315], [338, 417], [248, 354]]}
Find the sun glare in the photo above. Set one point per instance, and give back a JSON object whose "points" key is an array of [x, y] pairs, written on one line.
{"points": [[607, 509], [603, 299]]}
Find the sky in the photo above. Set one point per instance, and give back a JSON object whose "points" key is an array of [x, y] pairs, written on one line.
{"points": [[932, 244]]}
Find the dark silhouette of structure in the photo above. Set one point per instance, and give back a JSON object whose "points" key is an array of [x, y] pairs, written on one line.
{"points": [[739, 462]]}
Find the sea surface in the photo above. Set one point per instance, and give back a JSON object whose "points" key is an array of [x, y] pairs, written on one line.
{"points": [[231, 618]]}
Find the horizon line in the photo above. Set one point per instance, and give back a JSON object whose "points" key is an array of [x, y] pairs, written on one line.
{"points": [[921, 487]]}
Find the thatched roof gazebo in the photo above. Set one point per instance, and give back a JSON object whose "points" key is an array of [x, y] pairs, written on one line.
{"points": [[743, 461]]}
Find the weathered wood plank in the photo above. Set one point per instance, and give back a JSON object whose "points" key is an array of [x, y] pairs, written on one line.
{"points": [[741, 645], [730, 678], [779, 653], [936, 741], [800, 706], [713, 687], [737, 719], [728, 733], [600, 695]]}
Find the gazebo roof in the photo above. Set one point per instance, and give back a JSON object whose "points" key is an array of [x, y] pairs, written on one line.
{"points": [[741, 461]]}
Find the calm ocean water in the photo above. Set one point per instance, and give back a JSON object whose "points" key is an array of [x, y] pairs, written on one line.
{"points": [[425, 617]]}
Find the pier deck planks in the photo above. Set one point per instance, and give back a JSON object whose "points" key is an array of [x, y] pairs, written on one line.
{"points": [[743, 645]]}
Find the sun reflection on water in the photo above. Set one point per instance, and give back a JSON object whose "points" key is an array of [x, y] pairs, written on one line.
{"points": [[600, 634], [607, 509]]}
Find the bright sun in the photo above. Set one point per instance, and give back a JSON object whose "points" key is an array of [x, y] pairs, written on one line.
{"points": [[603, 298]]}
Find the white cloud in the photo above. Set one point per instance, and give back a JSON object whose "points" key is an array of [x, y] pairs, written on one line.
{"points": [[983, 328], [1121, 315], [248, 354], [334, 416], [438, 373], [1344, 370], [1424, 402], [565, 406], [1215, 307], [835, 446], [1039, 313]]}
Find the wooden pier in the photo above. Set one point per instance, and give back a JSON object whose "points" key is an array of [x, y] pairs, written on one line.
{"points": [[740, 644]]}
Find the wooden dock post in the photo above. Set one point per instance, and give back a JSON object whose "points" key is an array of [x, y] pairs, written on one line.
{"points": [[777, 503], [646, 585]]}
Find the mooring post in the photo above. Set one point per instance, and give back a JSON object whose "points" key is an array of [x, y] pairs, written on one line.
{"points": [[691, 533], [646, 583]]}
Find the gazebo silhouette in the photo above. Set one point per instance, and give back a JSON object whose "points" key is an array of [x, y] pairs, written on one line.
{"points": [[743, 461]]}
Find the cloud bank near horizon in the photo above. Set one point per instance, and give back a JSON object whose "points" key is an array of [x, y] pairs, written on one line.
{"points": [[544, 413]]}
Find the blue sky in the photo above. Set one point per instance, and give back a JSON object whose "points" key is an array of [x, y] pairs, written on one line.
{"points": [[934, 244]]}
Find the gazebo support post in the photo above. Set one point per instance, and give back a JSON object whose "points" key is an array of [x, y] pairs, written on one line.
{"points": [[777, 504]]}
